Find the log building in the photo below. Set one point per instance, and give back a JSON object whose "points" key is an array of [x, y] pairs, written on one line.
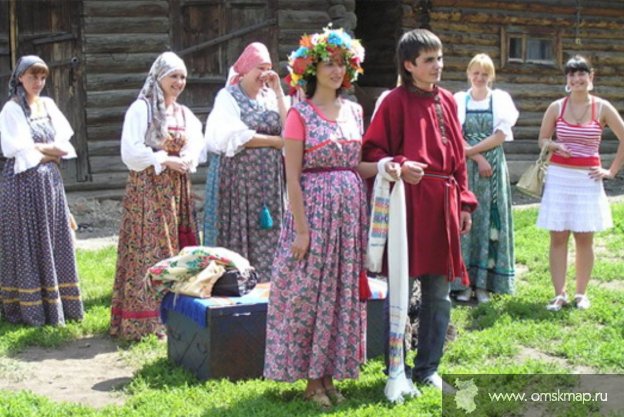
{"points": [[100, 52]]}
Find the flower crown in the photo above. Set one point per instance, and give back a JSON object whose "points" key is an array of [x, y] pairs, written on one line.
{"points": [[329, 44]]}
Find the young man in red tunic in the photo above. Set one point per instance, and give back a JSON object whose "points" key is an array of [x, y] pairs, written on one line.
{"points": [[416, 126]]}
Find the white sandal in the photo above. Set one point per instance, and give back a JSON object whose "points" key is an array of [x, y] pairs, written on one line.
{"points": [[557, 303], [464, 295], [482, 296], [582, 302]]}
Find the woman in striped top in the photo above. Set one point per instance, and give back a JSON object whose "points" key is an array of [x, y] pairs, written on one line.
{"points": [[574, 199]]}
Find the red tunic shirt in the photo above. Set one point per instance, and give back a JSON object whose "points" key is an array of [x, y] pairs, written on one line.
{"points": [[415, 125]]}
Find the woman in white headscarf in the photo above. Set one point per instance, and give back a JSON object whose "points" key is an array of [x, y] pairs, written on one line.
{"points": [[161, 143], [38, 278]]}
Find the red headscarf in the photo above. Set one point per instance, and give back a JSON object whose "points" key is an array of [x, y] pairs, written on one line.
{"points": [[254, 54]]}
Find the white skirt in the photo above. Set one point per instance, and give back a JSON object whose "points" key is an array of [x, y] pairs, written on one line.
{"points": [[573, 201]]}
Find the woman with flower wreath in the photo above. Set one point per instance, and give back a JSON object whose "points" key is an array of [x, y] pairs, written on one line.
{"points": [[315, 318]]}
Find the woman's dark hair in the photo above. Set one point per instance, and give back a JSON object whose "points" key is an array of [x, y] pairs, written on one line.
{"points": [[410, 45], [310, 87], [577, 63]]}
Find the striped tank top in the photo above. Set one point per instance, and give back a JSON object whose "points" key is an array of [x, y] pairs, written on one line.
{"points": [[582, 140]]}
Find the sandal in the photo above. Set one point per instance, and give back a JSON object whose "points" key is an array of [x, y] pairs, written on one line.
{"points": [[318, 397], [557, 303], [465, 295], [581, 301], [482, 296], [335, 395]]}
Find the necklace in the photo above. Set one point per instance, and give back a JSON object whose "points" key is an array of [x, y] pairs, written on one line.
{"points": [[578, 120]]}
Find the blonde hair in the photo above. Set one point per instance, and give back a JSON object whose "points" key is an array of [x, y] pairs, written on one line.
{"points": [[484, 61]]}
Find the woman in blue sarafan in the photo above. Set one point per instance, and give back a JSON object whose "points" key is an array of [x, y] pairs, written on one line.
{"points": [[487, 116], [38, 276]]}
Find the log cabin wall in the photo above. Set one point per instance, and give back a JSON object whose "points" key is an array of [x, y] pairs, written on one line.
{"points": [[121, 39], [296, 17], [467, 27]]}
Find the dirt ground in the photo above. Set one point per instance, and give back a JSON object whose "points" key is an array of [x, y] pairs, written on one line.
{"points": [[91, 371], [88, 371]]}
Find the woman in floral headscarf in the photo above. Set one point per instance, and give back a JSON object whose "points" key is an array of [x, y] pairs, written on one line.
{"points": [[161, 143], [38, 278], [245, 184]]}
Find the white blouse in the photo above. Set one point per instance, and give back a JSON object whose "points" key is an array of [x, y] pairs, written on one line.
{"points": [[226, 133], [16, 139], [504, 111], [137, 156]]}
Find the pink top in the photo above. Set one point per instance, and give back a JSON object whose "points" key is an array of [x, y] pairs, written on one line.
{"points": [[582, 140], [294, 128]]}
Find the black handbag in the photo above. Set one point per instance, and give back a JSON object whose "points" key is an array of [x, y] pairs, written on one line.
{"points": [[233, 284]]}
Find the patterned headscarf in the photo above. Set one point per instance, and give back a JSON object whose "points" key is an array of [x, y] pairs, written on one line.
{"points": [[151, 92], [16, 89], [254, 54]]}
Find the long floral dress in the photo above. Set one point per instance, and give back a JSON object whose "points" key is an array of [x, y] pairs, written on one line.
{"points": [[154, 209], [247, 182], [39, 281], [488, 250], [315, 319]]}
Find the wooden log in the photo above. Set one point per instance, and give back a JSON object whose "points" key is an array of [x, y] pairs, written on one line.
{"points": [[101, 115], [473, 39], [306, 20], [463, 27], [105, 82], [139, 24], [111, 98], [486, 17], [105, 148], [104, 131], [124, 63], [553, 8], [143, 8], [120, 43], [101, 164], [302, 4]]}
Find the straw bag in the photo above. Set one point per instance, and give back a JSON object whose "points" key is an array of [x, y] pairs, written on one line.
{"points": [[532, 181]]}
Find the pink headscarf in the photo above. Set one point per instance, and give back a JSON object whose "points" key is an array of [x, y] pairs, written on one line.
{"points": [[255, 53]]}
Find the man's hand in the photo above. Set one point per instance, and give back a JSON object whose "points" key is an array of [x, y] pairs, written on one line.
{"points": [[412, 171], [393, 169]]}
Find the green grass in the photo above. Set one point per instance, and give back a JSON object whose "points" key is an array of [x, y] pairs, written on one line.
{"points": [[492, 339]]}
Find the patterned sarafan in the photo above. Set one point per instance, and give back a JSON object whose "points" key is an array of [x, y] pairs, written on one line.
{"points": [[315, 319]]}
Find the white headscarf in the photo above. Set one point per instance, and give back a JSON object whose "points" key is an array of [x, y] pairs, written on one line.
{"points": [[151, 92]]}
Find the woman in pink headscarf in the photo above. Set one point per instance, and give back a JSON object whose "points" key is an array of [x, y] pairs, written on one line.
{"points": [[245, 184]]}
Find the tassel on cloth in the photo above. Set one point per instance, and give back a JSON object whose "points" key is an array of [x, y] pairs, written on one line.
{"points": [[186, 237], [266, 221], [365, 291]]}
